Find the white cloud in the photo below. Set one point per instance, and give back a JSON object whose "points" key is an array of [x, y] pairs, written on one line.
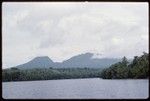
{"points": [[61, 30]]}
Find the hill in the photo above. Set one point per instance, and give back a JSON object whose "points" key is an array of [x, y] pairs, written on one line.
{"points": [[78, 61]]}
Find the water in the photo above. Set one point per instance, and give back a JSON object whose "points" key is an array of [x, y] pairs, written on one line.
{"points": [[76, 89]]}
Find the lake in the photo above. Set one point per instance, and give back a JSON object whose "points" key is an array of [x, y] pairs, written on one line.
{"points": [[90, 88]]}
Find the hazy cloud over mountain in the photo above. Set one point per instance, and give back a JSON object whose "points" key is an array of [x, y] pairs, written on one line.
{"points": [[61, 30]]}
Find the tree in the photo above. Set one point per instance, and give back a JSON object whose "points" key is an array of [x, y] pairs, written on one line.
{"points": [[124, 61], [138, 68]]}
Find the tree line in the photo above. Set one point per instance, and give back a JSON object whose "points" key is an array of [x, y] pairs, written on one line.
{"points": [[15, 74], [137, 69]]}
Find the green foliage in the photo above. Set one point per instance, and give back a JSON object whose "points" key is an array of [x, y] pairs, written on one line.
{"points": [[48, 74], [138, 68]]}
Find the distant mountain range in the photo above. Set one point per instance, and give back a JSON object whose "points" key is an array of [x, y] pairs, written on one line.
{"points": [[80, 61]]}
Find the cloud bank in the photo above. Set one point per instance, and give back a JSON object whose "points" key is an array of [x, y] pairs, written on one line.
{"points": [[62, 29]]}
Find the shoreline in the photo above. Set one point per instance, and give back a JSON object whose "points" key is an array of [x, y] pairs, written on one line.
{"points": [[72, 79]]}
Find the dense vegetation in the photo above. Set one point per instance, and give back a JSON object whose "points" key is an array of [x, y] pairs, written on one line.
{"points": [[15, 74], [138, 68]]}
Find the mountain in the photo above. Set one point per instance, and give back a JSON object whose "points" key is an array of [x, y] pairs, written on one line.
{"points": [[38, 62], [86, 60], [80, 61]]}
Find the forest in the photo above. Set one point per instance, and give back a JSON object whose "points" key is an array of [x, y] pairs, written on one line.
{"points": [[15, 74], [138, 68]]}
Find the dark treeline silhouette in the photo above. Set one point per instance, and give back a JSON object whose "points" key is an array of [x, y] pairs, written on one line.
{"points": [[137, 69], [15, 74]]}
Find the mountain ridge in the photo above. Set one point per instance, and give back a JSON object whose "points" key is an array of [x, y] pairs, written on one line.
{"points": [[80, 61]]}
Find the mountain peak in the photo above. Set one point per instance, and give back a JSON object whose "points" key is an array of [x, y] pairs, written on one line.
{"points": [[81, 60], [97, 55], [38, 62], [88, 54], [42, 58]]}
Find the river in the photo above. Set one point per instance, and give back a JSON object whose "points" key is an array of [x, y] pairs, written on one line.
{"points": [[90, 88]]}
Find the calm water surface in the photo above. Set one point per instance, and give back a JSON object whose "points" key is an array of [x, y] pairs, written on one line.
{"points": [[94, 88]]}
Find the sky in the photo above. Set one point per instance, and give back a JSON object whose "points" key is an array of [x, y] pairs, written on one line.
{"points": [[61, 30]]}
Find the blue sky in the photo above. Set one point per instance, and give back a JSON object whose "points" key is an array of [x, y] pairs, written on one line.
{"points": [[61, 30]]}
